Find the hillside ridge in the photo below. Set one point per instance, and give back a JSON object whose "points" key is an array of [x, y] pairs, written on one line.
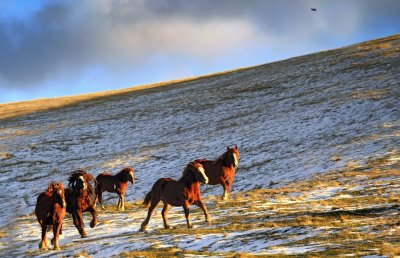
{"points": [[14, 109]]}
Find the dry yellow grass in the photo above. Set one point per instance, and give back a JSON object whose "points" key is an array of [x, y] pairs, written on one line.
{"points": [[15, 109]]}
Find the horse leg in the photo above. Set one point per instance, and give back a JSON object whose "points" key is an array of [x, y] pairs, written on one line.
{"points": [[95, 199], [43, 244], [226, 184], [187, 214], [92, 210], [164, 215], [225, 194], [79, 224], [122, 203], [100, 196], [147, 219], [56, 234], [201, 204]]}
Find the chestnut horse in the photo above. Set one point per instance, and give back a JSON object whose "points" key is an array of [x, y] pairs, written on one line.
{"points": [[50, 212], [222, 170], [80, 197], [184, 192], [114, 184]]}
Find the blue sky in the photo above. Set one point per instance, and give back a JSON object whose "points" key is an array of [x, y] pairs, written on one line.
{"points": [[57, 48]]}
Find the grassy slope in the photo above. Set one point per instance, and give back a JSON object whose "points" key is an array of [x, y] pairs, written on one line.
{"points": [[353, 210], [15, 109], [361, 217]]}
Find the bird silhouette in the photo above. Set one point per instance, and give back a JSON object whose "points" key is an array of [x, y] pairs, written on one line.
{"points": [[313, 9]]}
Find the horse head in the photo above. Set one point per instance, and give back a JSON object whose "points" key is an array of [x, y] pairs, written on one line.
{"points": [[128, 174], [131, 174], [80, 181], [57, 190], [77, 180], [198, 172], [231, 156]]}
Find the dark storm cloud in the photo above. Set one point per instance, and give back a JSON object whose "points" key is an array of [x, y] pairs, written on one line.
{"points": [[47, 42], [64, 38]]}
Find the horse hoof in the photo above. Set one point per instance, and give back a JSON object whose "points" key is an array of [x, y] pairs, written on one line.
{"points": [[84, 234], [190, 226], [93, 224], [168, 227], [42, 246], [52, 242], [56, 248]]}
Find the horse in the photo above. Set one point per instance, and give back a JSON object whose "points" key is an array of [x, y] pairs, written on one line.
{"points": [[114, 184], [50, 212], [184, 192], [222, 170], [80, 197]]}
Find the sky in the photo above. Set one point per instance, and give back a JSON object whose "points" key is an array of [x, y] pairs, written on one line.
{"points": [[52, 48]]}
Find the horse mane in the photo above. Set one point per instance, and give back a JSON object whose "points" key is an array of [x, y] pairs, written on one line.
{"points": [[54, 186], [188, 171], [222, 157], [123, 175], [75, 176]]}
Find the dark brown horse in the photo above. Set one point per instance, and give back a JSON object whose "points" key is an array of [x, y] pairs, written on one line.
{"points": [[80, 197], [50, 212], [114, 184], [222, 170], [184, 192]]}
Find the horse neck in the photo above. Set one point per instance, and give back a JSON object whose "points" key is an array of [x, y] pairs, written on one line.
{"points": [[222, 160], [122, 176], [188, 180], [55, 199]]}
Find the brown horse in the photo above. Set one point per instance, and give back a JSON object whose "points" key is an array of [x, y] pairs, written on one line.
{"points": [[184, 192], [114, 184], [80, 197], [222, 170], [50, 212]]}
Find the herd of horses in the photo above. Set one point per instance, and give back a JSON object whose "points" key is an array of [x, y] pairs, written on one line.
{"points": [[84, 191]]}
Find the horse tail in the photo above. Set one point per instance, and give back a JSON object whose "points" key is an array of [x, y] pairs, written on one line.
{"points": [[98, 184], [147, 199], [156, 191]]}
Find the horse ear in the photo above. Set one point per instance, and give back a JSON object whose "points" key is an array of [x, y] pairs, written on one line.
{"points": [[236, 147], [227, 147]]}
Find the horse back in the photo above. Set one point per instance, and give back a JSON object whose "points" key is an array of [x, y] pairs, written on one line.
{"points": [[172, 192], [47, 211], [43, 207], [106, 182], [71, 200], [213, 170]]}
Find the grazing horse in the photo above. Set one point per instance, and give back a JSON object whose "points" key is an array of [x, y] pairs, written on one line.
{"points": [[50, 212], [114, 184], [222, 170], [184, 192], [80, 197]]}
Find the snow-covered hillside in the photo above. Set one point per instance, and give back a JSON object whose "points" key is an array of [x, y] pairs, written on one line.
{"points": [[290, 119]]}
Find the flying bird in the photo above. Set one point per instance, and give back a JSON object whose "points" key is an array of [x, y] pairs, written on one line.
{"points": [[313, 9]]}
